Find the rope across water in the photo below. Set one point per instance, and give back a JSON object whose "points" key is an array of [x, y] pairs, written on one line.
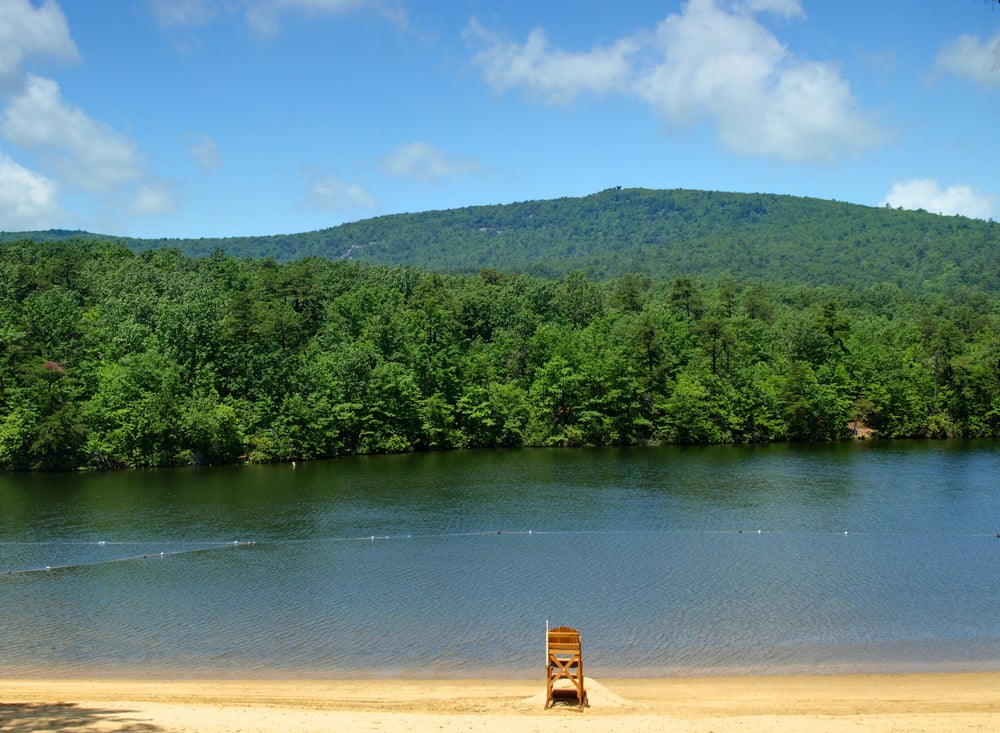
{"points": [[206, 547], [216, 546]]}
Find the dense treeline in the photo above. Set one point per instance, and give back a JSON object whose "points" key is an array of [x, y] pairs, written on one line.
{"points": [[109, 358], [705, 234]]}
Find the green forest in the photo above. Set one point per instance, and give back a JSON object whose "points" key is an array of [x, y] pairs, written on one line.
{"points": [[112, 358], [661, 233]]}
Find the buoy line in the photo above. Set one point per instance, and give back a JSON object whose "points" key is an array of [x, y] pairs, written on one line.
{"points": [[212, 546], [144, 556]]}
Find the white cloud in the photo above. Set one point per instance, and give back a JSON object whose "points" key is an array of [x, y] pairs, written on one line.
{"points": [[85, 154], [329, 193], [972, 58], [927, 194], [28, 200], [28, 31], [88, 153], [425, 163], [552, 75], [76, 152], [206, 153], [707, 63]]}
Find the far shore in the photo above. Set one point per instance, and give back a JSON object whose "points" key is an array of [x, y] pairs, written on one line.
{"points": [[878, 703]]}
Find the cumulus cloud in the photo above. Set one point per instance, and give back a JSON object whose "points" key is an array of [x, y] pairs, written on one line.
{"points": [[206, 153], [329, 193], [84, 154], [972, 58], [76, 152], [425, 163], [706, 63], [927, 194], [89, 153], [28, 200], [551, 74], [27, 31]]}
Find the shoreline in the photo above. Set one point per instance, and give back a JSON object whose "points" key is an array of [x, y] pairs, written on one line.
{"points": [[815, 703]]}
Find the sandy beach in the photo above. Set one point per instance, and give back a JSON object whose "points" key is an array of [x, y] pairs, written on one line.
{"points": [[814, 704]]}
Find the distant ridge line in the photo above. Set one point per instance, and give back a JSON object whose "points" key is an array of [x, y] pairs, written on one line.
{"points": [[660, 233]]}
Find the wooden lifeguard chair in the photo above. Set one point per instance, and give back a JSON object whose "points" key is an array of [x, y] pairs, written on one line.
{"points": [[564, 656]]}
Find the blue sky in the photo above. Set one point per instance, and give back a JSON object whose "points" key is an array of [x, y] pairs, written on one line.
{"points": [[191, 118]]}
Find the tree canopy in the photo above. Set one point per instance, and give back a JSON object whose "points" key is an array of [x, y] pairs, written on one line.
{"points": [[111, 358]]}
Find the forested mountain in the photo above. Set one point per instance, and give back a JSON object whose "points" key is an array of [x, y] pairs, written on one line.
{"points": [[111, 358], [663, 234]]}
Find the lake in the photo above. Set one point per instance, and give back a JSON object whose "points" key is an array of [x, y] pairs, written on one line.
{"points": [[672, 561]]}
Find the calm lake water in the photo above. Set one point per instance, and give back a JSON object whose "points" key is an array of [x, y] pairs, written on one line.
{"points": [[852, 557]]}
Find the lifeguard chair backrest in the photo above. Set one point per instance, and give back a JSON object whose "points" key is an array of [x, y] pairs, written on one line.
{"points": [[564, 642]]}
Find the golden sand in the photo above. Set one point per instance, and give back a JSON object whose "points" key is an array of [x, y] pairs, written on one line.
{"points": [[800, 704]]}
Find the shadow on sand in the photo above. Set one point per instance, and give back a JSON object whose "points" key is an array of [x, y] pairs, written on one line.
{"points": [[64, 716]]}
